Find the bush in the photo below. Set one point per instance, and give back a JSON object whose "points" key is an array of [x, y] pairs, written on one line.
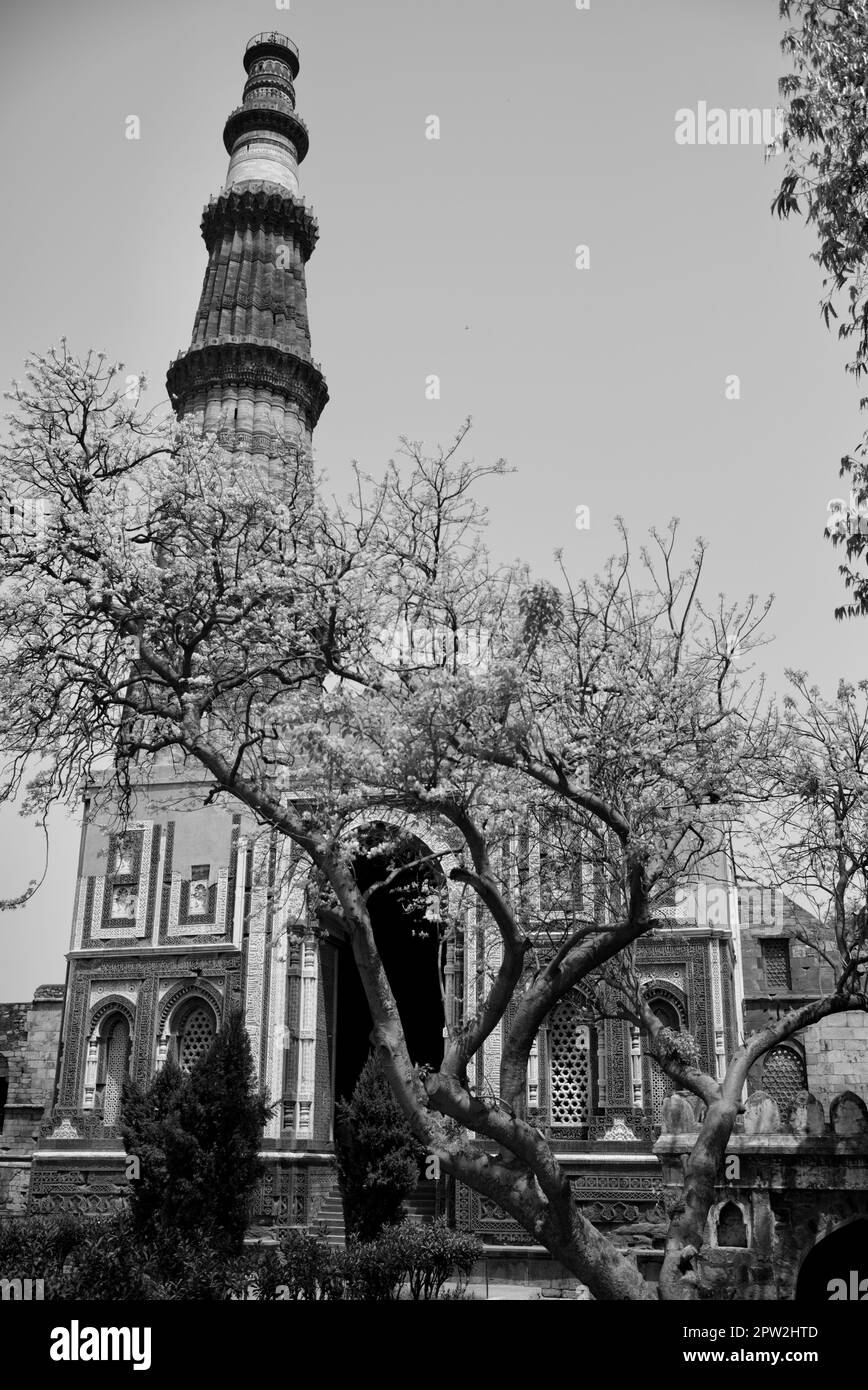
{"points": [[378, 1158], [37, 1247], [309, 1268], [373, 1271], [432, 1253], [419, 1257]]}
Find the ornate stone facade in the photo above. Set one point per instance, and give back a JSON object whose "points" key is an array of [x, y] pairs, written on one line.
{"points": [[793, 1180]]}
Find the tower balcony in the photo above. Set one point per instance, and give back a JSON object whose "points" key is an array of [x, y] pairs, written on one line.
{"points": [[265, 113], [270, 44]]}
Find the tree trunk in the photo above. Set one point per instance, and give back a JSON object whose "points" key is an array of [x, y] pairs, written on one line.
{"points": [[679, 1273]]}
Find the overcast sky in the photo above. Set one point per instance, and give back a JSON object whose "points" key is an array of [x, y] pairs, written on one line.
{"points": [[604, 387]]}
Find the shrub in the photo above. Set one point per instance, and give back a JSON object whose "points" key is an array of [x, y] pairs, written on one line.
{"points": [[37, 1247], [378, 1158], [432, 1253], [419, 1257], [373, 1271], [309, 1268], [106, 1265]]}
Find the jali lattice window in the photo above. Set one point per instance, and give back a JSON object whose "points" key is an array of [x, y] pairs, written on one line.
{"points": [[117, 1051], [776, 964], [783, 1075], [658, 1084], [569, 1066], [196, 1037]]}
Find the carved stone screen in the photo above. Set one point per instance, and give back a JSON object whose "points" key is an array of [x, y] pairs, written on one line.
{"points": [[196, 1037], [783, 1075], [569, 1066], [117, 1051]]}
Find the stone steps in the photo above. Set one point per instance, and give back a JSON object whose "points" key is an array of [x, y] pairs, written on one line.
{"points": [[421, 1205]]}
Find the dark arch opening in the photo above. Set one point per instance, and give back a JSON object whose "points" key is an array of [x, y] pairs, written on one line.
{"points": [[657, 1084], [667, 1014], [731, 1230], [411, 953], [836, 1267]]}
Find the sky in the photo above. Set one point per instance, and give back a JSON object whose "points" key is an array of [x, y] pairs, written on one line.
{"points": [[605, 387]]}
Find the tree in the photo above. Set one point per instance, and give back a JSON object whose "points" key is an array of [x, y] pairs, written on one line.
{"points": [[826, 180], [197, 1138], [225, 1113], [378, 1158], [152, 1130], [335, 666]]}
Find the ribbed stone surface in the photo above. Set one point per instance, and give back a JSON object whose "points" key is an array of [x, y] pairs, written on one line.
{"points": [[248, 370]]}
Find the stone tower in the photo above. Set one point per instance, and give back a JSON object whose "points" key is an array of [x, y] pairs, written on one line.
{"points": [[178, 918], [248, 372]]}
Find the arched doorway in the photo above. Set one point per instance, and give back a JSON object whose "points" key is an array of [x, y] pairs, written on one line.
{"points": [[408, 939], [836, 1270], [657, 1085]]}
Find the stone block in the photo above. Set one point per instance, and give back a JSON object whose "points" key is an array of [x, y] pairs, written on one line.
{"points": [[679, 1116], [762, 1115], [806, 1117]]}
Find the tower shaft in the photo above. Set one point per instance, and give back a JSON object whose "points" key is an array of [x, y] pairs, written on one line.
{"points": [[248, 373]]}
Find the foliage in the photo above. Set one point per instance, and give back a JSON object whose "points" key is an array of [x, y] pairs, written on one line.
{"points": [[197, 1138], [377, 1156], [108, 1259], [417, 1257], [37, 1247], [225, 1113], [308, 1268], [433, 1253], [826, 181], [152, 1129]]}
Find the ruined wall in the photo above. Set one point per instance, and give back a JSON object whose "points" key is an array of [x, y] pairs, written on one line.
{"points": [[790, 1183], [29, 1038]]}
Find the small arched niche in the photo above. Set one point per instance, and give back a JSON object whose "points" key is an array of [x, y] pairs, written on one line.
{"points": [[731, 1227]]}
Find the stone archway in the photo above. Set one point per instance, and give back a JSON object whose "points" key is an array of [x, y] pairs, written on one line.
{"points": [[836, 1268]]}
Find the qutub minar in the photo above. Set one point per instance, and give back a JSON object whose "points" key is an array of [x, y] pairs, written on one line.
{"points": [[248, 369], [181, 916]]}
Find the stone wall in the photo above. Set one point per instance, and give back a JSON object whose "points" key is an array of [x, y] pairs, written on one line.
{"points": [[791, 1182], [836, 1056], [29, 1038]]}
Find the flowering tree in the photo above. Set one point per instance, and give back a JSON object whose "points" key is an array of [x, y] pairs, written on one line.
{"points": [[330, 666]]}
